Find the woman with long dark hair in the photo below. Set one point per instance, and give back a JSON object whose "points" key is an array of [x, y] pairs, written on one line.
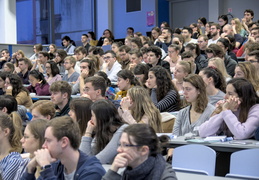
{"points": [[52, 72], [80, 112], [163, 92], [237, 116], [215, 84], [59, 60], [139, 153], [106, 34], [103, 132], [14, 87], [126, 80], [39, 84]]}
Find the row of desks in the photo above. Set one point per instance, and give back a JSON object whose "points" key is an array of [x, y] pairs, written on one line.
{"points": [[223, 149]]}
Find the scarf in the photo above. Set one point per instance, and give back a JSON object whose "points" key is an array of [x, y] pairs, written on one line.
{"points": [[151, 169]]}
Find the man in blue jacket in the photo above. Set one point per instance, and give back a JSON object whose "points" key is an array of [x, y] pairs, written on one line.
{"points": [[60, 158]]}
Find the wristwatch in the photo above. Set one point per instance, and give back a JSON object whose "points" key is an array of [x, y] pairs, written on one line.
{"points": [[45, 167]]}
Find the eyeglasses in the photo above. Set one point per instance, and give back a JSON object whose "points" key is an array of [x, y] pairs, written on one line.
{"points": [[253, 61], [107, 57], [128, 145]]}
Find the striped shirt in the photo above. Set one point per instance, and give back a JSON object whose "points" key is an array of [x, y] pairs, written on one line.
{"points": [[9, 165], [169, 103], [22, 168]]}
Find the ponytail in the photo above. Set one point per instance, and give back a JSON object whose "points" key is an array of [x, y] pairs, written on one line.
{"points": [[14, 124]]}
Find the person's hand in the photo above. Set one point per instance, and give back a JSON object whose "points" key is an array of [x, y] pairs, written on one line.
{"points": [[121, 161], [220, 103], [85, 95], [161, 38], [14, 55], [90, 127], [31, 166], [43, 157], [132, 66], [251, 39], [38, 61], [232, 103], [223, 35], [126, 103], [243, 20], [105, 65], [17, 70], [9, 87], [84, 74]]}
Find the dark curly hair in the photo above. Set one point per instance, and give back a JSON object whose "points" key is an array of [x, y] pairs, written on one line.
{"points": [[163, 82], [17, 84]]}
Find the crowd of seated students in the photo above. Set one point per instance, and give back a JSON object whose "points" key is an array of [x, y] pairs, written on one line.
{"points": [[120, 95]]}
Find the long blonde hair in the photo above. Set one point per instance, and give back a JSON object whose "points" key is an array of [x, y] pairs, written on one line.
{"points": [[250, 73], [238, 24], [219, 64], [143, 105], [14, 123]]}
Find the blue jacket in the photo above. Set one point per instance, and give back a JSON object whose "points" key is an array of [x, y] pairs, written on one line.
{"points": [[88, 167]]}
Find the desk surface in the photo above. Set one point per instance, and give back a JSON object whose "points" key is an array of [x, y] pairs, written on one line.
{"points": [[184, 176], [217, 146], [49, 97]]}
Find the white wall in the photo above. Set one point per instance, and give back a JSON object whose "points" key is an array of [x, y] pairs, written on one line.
{"points": [[8, 21]]}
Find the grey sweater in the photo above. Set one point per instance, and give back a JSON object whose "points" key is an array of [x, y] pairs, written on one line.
{"points": [[107, 155], [182, 124]]}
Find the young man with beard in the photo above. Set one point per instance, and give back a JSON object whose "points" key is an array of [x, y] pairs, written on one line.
{"points": [[215, 33], [165, 39], [187, 35], [60, 157]]}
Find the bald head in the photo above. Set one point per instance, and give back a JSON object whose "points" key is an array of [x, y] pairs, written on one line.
{"points": [[227, 29]]}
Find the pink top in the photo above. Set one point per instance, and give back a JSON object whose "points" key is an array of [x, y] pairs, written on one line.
{"points": [[239, 130], [55, 78]]}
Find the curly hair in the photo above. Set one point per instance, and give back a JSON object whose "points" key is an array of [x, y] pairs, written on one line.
{"points": [[163, 82]]}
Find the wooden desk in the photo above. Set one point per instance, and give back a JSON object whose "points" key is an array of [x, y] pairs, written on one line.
{"points": [[223, 149]]}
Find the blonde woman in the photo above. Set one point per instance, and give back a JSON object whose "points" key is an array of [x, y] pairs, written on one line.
{"points": [[247, 70], [10, 135], [137, 107], [173, 56], [182, 69], [237, 27], [32, 140], [219, 64]]}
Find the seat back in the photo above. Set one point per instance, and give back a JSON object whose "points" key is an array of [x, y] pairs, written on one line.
{"points": [[194, 158], [167, 122], [245, 163]]}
